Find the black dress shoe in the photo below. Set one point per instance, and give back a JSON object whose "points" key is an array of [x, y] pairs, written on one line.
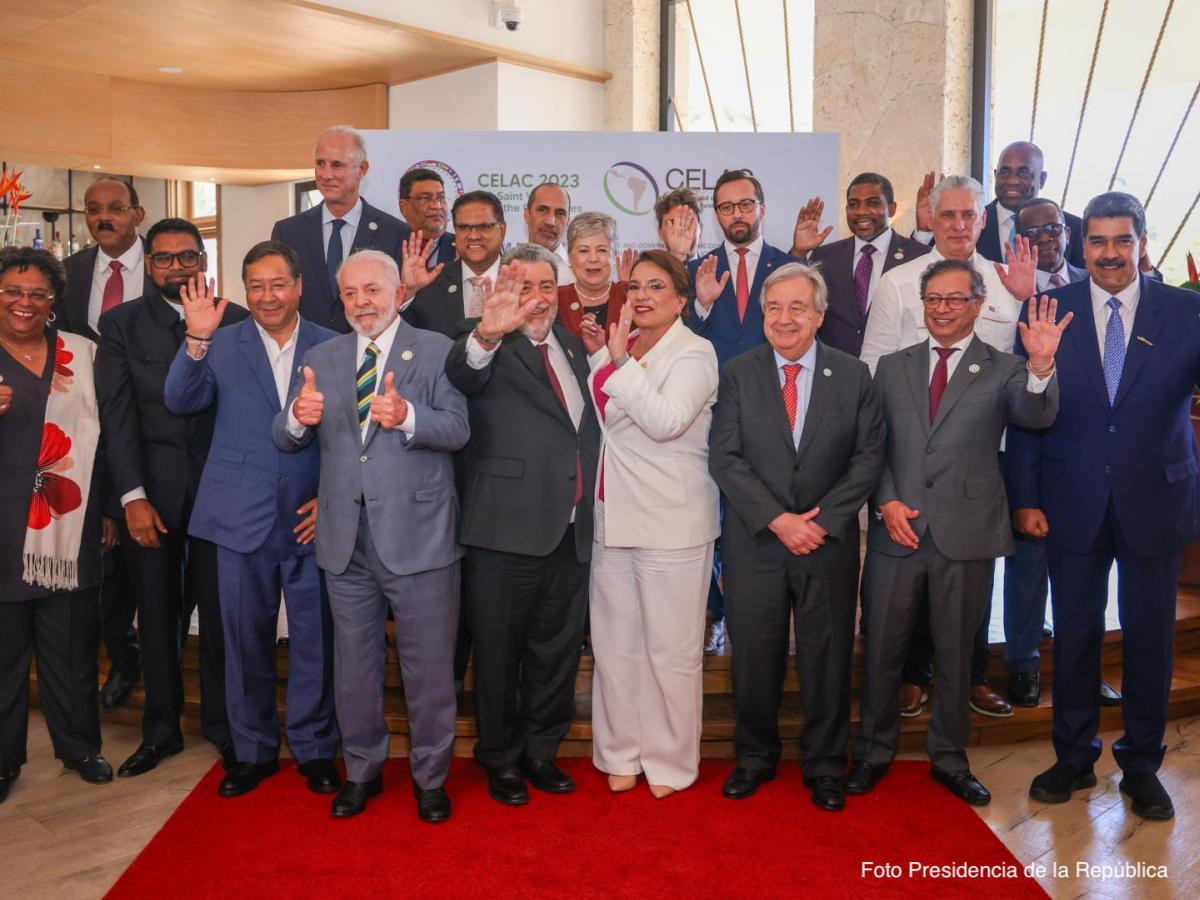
{"points": [[433, 805], [506, 785], [147, 757], [1109, 696], [544, 775], [864, 776], [322, 775], [245, 777], [964, 786], [743, 782], [93, 768], [1025, 688], [117, 688], [6, 781], [827, 792], [1057, 783], [1150, 798], [352, 798], [229, 760]]}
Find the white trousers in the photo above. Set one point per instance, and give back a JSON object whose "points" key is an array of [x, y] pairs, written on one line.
{"points": [[647, 609]]}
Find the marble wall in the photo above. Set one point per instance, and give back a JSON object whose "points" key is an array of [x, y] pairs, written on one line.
{"points": [[631, 54]]}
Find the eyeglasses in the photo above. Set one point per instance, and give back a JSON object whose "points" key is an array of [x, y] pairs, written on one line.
{"points": [[116, 209], [1054, 229], [952, 301], [726, 208], [427, 199], [257, 289], [37, 295], [482, 229], [188, 259]]}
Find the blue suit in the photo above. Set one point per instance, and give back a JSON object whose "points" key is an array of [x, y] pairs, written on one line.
{"points": [[1121, 482], [246, 504]]}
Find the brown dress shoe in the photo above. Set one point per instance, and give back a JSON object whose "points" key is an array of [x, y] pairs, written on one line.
{"points": [[987, 702], [912, 700]]}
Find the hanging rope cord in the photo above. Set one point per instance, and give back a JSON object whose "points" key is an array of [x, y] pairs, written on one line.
{"points": [[1162, 29], [703, 71], [1175, 140], [737, 11], [1087, 91], [787, 51], [1037, 78], [1162, 259]]}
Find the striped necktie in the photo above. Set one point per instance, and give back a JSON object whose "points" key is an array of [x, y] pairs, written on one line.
{"points": [[366, 383]]}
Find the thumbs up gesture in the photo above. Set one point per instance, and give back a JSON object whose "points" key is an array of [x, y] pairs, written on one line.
{"points": [[389, 409], [310, 403]]}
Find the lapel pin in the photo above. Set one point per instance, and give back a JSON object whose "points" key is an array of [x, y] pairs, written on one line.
{"points": [[452, 288], [828, 373], [899, 254], [1144, 341], [406, 355], [570, 353], [373, 225], [973, 368], [574, 306]]}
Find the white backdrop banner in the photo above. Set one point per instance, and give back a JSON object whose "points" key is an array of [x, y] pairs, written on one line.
{"points": [[619, 173]]}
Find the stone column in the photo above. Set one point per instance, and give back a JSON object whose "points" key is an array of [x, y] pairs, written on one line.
{"points": [[631, 53]]}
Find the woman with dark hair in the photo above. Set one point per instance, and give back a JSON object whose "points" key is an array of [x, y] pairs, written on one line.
{"points": [[50, 523]]}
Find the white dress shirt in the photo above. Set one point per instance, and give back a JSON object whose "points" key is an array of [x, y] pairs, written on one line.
{"points": [[351, 218], [565, 275], [1129, 298], [881, 244], [1033, 384], [753, 254], [132, 268], [804, 385], [1004, 221], [468, 289], [1043, 277], [280, 359]]}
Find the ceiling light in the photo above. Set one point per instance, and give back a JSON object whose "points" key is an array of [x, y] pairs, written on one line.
{"points": [[95, 165], [170, 70]]}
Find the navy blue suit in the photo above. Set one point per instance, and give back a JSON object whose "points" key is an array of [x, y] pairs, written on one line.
{"points": [[1121, 482], [246, 504], [446, 251], [990, 244]]}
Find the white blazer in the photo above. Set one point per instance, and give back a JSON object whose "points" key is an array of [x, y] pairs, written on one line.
{"points": [[658, 494]]}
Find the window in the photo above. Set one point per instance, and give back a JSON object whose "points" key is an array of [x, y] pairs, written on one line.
{"points": [[200, 203], [307, 196]]}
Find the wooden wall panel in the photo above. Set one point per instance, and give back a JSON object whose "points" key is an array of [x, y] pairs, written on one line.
{"points": [[55, 111]]}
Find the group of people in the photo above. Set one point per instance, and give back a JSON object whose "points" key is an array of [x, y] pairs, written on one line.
{"points": [[496, 446]]}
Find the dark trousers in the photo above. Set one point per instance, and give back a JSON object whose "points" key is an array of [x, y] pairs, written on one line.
{"points": [[956, 593], [1026, 587], [118, 603], [759, 606], [251, 584], [527, 615], [62, 631], [1146, 594], [918, 664], [172, 580]]}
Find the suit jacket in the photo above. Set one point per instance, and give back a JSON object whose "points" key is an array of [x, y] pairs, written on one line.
{"points": [[303, 233], [439, 305], [990, 241], [446, 252], [730, 337], [658, 493], [762, 474], [1140, 452], [248, 485], [571, 310], [844, 326], [73, 311], [406, 482], [147, 444], [518, 471], [950, 470]]}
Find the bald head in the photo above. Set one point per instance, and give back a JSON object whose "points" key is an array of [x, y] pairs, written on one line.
{"points": [[1020, 174]]}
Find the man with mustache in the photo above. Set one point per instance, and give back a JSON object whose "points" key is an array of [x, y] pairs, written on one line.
{"points": [[527, 477], [547, 212], [423, 206], [155, 459]]}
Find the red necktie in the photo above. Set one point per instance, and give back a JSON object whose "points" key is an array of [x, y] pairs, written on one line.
{"points": [[791, 397], [114, 288], [937, 384], [743, 286], [562, 398]]}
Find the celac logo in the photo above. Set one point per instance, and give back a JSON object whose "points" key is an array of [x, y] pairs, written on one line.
{"points": [[449, 176], [630, 188]]}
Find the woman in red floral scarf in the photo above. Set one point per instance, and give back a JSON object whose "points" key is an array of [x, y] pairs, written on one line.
{"points": [[50, 524]]}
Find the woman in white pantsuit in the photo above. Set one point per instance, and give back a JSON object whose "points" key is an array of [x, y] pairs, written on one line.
{"points": [[656, 520]]}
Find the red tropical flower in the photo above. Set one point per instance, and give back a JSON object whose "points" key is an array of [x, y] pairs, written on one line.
{"points": [[63, 377], [54, 495]]}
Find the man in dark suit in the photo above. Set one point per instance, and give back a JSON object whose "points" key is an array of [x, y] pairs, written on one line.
{"points": [[155, 459], [259, 506], [527, 477], [423, 206], [1115, 478], [942, 516], [99, 278], [796, 448], [853, 266], [340, 164]]}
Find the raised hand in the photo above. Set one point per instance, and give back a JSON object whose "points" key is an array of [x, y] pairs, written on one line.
{"points": [[591, 333], [310, 403], [808, 235], [503, 309], [1020, 278], [708, 286], [1041, 336], [618, 333], [625, 265], [306, 531], [896, 516], [679, 233], [414, 262], [201, 316], [388, 409], [924, 211]]}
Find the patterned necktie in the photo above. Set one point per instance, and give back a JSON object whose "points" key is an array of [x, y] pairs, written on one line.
{"points": [[475, 307], [365, 384], [544, 349], [937, 384], [743, 285], [862, 279], [1056, 280], [791, 395], [334, 255], [1114, 349], [114, 288]]}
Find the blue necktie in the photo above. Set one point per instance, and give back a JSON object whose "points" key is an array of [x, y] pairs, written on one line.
{"points": [[1114, 349], [333, 256], [1012, 233]]}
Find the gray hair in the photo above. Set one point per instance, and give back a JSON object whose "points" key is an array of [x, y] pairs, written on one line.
{"points": [[531, 253], [792, 270], [957, 183], [360, 146], [361, 256], [588, 223]]}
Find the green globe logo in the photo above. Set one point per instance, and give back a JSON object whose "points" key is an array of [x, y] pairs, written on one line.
{"points": [[630, 188]]}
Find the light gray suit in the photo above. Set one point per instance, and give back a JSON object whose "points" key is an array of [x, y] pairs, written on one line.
{"points": [[386, 534], [950, 472]]}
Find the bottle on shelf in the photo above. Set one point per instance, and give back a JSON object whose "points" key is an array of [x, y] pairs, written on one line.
{"points": [[38, 243]]}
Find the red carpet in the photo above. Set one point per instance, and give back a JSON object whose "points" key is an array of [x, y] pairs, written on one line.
{"points": [[280, 840]]}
